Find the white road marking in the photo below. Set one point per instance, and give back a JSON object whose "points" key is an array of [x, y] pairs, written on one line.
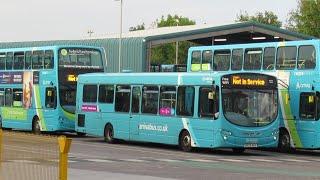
{"points": [[265, 160], [294, 160], [168, 160], [203, 160], [132, 160], [98, 160], [234, 160]]}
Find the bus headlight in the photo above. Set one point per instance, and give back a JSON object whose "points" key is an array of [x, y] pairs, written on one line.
{"points": [[225, 134], [275, 134]]}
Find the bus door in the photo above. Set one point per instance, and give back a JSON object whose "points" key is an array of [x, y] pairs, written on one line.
{"points": [[308, 115], [50, 102], [135, 111]]}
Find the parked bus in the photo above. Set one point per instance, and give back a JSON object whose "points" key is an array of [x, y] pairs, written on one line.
{"points": [[208, 110], [295, 63], [38, 85]]}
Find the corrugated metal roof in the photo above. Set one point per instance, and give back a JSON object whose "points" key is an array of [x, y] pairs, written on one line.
{"points": [[194, 29]]}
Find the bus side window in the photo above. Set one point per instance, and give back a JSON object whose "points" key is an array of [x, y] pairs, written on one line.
{"points": [[37, 60], [307, 57], [51, 97], [48, 59], [196, 61], [2, 61], [106, 93], [89, 94], [150, 99], [8, 97], [122, 100], [17, 98], [207, 102], [9, 60], [206, 64], [135, 104], [221, 60], [18, 62], [167, 100], [269, 58], [286, 57], [237, 59], [252, 59], [1, 97], [185, 101], [27, 64], [307, 106]]}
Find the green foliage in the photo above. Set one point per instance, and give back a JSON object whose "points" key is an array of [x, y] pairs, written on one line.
{"points": [[138, 27], [166, 53], [306, 18], [267, 17]]}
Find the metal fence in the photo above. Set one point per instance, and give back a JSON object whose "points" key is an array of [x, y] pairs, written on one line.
{"points": [[25, 156]]}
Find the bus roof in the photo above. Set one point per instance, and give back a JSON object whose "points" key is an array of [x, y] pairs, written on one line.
{"points": [[267, 44], [46, 48], [203, 78]]}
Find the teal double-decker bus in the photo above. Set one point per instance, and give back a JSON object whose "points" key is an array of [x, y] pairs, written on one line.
{"points": [[297, 67], [208, 110], [38, 85]]}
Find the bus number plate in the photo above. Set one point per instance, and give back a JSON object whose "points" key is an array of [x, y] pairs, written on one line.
{"points": [[250, 145]]}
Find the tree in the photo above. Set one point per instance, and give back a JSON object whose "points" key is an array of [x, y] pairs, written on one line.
{"points": [[306, 18], [268, 17], [166, 53], [138, 27]]}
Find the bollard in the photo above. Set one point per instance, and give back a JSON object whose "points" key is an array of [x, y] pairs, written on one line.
{"points": [[64, 144]]}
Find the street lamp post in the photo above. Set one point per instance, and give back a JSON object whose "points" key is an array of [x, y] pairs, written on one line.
{"points": [[177, 44], [120, 34]]}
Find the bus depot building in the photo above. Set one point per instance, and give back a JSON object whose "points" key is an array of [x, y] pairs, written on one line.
{"points": [[136, 46]]}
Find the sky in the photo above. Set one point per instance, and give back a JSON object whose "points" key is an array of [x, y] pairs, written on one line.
{"points": [[34, 20]]}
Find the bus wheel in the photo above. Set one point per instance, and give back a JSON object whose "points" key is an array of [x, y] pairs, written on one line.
{"points": [[36, 126], [238, 150], [284, 141], [108, 134], [185, 141]]}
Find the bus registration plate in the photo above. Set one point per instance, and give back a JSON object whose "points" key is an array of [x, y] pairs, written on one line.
{"points": [[250, 145]]}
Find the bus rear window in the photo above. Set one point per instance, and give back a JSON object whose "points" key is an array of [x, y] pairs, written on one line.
{"points": [[221, 60], [286, 57], [268, 58], [307, 57], [196, 61], [237, 56], [2, 61], [9, 60], [18, 60], [252, 59], [206, 60]]}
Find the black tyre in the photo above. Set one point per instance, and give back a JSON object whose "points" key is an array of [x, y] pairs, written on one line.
{"points": [[284, 142], [108, 134], [238, 150], [36, 126], [185, 141]]}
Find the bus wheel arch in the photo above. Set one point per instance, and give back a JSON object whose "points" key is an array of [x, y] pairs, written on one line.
{"points": [[185, 140], [36, 125], [109, 133], [284, 144]]}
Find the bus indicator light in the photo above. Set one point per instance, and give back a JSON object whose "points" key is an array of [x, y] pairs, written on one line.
{"points": [[72, 78]]}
